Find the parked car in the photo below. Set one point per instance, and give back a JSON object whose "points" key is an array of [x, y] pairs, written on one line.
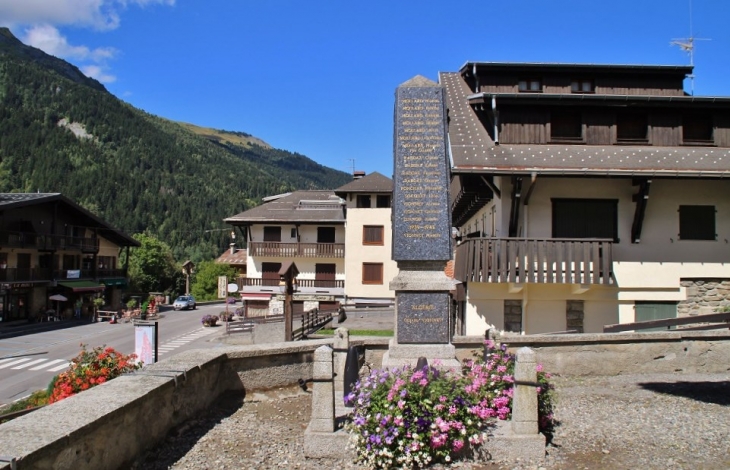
{"points": [[184, 302]]}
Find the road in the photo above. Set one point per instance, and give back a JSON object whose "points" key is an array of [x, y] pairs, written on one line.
{"points": [[29, 362]]}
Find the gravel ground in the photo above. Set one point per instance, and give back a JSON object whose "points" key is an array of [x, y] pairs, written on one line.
{"points": [[663, 421]]}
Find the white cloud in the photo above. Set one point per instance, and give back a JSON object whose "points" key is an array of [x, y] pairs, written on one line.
{"points": [[41, 18], [49, 39], [99, 73], [97, 14]]}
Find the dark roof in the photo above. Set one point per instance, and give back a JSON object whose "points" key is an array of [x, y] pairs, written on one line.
{"points": [[563, 67], [238, 257], [299, 206], [372, 183], [10, 201], [473, 150]]}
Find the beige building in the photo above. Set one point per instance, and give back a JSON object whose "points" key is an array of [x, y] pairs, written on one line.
{"points": [[586, 195], [339, 241], [368, 239]]}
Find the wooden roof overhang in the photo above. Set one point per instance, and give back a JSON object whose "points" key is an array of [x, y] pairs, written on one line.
{"points": [[589, 99], [471, 67]]}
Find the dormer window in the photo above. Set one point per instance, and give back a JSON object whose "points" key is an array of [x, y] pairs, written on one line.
{"points": [[532, 85], [697, 129], [582, 86], [632, 128]]}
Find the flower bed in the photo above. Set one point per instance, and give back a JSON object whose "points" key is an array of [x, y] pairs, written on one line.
{"points": [[90, 368], [416, 417]]}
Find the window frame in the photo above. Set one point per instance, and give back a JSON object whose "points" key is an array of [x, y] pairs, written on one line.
{"points": [[556, 229], [693, 140], [630, 120], [383, 201], [580, 83], [267, 237], [566, 138], [360, 201], [372, 281], [699, 229], [325, 230], [529, 82], [379, 242]]}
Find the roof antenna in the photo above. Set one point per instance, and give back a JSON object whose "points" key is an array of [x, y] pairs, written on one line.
{"points": [[688, 45], [352, 165]]}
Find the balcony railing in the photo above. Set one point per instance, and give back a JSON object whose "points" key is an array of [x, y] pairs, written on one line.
{"points": [[36, 241], [317, 283], [520, 260], [47, 274], [298, 250]]}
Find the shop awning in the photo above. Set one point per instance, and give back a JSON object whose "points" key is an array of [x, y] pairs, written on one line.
{"points": [[117, 281], [82, 286], [255, 296]]}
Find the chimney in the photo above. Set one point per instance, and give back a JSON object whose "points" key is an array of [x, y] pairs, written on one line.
{"points": [[357, 174], [233, 248]]}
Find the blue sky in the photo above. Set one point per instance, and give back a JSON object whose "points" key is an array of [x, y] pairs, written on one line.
{"points": [[319, 78]]}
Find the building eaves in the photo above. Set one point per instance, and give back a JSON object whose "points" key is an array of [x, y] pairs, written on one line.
{"points": [[556, 66], [297, 207], [372, 183]]}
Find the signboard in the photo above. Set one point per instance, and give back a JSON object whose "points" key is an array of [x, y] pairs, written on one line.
{"points": [[222, 285], [73, 274], [308, 297], [145, 342]]}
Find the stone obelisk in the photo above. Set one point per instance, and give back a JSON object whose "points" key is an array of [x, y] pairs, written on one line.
{"points": [[421, 227]]}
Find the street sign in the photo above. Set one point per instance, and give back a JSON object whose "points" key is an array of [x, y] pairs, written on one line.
{"points": [[232, 287], [222, 284]]}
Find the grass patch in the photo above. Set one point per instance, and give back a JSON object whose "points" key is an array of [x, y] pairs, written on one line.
{"points": [[331, 331]]}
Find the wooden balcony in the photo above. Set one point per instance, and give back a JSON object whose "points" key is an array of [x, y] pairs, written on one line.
{"points": [[315, 283], [11, 239], [47, 274], [297, 250], [521, 260]]}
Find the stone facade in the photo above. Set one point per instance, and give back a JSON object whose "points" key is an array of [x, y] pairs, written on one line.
{"points": [[574, 313], [704, 296], [513, 316]]}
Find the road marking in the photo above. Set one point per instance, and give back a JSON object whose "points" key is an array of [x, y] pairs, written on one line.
{"points": [[177, 342], [49, 363], [13, 363], [23, 366], [61, 367]]}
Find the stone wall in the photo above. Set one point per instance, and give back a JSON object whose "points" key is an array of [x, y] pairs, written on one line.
{"points": [[704, 296]]}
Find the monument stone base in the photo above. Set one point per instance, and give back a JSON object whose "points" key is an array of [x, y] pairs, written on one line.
{"points": [[504, 445], [399, 355], [327, 445]]}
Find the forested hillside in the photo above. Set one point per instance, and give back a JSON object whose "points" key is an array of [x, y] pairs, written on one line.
{"points": [[62, 132]]}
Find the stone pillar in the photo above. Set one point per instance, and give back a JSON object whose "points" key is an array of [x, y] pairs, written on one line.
{"points": [[341, 346], [323, 403], [524, 399]]}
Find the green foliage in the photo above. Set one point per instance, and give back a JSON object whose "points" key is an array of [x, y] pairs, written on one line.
{"points": [[152, 267], [37, 398], [139, 172], [205, 284]]}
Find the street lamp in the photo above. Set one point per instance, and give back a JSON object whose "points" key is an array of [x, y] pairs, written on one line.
{"points": [[188, 268]]}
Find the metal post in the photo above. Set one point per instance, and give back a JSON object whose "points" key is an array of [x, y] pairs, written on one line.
{"points": [[288, 307]]}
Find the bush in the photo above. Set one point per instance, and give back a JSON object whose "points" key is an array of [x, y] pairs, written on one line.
{"points": [[407, 417], [91, 368]]}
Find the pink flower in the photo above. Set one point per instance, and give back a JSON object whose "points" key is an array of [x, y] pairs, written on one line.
{"points": [[458, 445]]}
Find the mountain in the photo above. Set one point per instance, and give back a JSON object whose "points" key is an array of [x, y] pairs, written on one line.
{"points": [[61, 131]]}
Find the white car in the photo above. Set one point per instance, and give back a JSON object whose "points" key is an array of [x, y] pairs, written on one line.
{"points": [[184, 302]]}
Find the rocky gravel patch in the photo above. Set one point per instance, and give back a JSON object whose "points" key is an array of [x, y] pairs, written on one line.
{"points": [[662, 421]]}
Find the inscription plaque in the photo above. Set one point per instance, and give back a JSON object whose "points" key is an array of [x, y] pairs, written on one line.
{"points": [[421, 218], [423, 317]]}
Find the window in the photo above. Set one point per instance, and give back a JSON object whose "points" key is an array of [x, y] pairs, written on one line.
{"points": [[532, 85], [697, 129], [372, 273], [272, 234], [382, 201], [363, 201], [293, 233], [324, 275], [566, 126], [372, 235], [647, 311], [582, 86], [270, 274], [632, 127], [325, 234], [585, 218], [697, 223]]}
